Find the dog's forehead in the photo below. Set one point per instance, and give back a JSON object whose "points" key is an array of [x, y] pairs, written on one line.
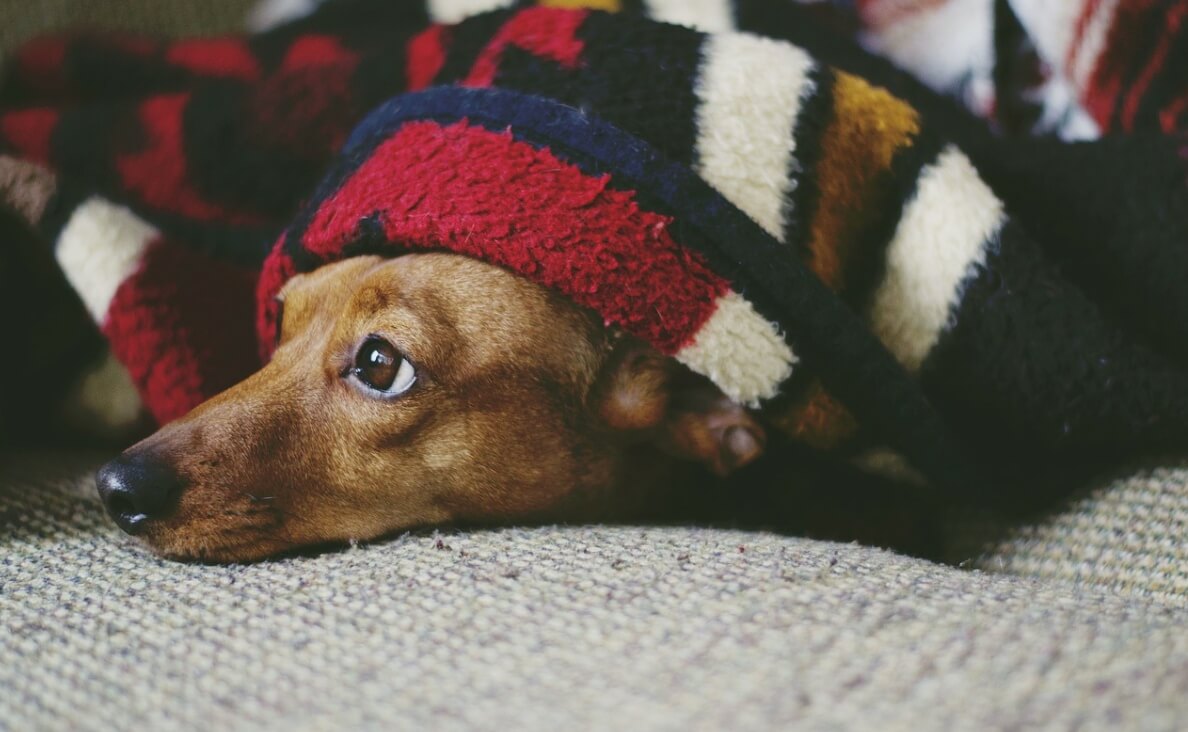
{"points": [[493, 313], [473, 297], [462, 313]]}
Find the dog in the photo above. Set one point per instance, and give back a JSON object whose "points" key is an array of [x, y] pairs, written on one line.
{"points": [[610, 163], [427, 389]]}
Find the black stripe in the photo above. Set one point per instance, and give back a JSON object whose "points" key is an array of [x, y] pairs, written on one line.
{"points": [[641, 77], [1032, 393], [869, 268], [1016, 73], [65, 201], [634, 7], [382, 72], [87, 139], [1168, 85], [98, 69], [49, 336], [465, 41], [255, 171], [810, 125], [1145, 35]]}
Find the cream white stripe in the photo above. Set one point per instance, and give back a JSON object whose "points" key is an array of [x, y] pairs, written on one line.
{"points": [[750, 91], [740, 351], [453, 11], [943, 44], [711, 16], [105, 399], [268, 14], [1092, 44], [98, 249], [941, 241]]}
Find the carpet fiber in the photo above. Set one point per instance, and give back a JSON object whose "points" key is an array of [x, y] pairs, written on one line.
{"points": [[652, 628]]}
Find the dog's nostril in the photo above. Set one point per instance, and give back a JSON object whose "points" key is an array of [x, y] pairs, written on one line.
{"points": [[137, 488], [124, 512], [119, 504]]}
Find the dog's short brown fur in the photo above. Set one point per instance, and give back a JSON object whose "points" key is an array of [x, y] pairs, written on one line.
{"points": [[524, 407]]}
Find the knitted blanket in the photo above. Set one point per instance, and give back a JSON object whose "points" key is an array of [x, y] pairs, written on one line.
{"points": [[818, 233], [1077, 68]]}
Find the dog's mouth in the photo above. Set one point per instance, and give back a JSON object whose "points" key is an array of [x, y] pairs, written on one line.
{"points": [[246, 531], [223, 547]]}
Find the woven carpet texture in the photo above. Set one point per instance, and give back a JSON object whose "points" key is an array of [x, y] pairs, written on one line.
{"points": [[630, 628]]}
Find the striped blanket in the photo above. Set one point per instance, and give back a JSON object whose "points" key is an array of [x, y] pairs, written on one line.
{"points": [[820, 234]]}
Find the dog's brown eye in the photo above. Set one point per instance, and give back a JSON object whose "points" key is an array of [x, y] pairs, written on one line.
{"points": [[380, 367]]}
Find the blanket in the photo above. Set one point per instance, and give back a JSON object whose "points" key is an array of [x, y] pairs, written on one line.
{"points": [[1077, 69], [820, 234]]}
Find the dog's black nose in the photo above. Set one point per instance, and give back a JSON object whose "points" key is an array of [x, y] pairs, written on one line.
{"points": [[138, 488]]}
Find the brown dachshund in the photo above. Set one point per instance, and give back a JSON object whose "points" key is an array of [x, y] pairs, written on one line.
{"points": [[422, 390]]}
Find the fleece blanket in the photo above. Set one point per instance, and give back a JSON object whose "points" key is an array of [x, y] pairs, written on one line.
{"points": [[815, 231]]}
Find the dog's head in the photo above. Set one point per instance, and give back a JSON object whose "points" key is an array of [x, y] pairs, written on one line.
{"points": [[421, 390]]}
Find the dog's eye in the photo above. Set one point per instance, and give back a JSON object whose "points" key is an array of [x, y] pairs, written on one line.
{"points": [[380, 367]]}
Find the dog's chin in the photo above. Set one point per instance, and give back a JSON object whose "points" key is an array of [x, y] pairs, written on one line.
{"points": [[185, 546]]}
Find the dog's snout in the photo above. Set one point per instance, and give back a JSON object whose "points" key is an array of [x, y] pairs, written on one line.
{"points": [[138, 488]]}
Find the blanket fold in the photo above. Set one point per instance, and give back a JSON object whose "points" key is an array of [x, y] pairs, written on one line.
{"points": [[849, 253]]}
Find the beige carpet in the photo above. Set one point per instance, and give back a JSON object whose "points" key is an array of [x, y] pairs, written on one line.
{"points": [[548, 628], [1128, 536]]}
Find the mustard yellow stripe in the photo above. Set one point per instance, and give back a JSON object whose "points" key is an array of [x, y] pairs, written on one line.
{"points": [[868, 127], [612, 6]]}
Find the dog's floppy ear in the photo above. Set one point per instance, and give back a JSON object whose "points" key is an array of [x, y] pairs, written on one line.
{"points": [[648, 396]]}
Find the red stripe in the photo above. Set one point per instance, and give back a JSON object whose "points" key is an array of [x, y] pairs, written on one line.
{"points": [[471, 191], [317, 50], [218, 57], [426, 56], [880, 14], [29, 132], [278, 269], [1174, 19], [181, 325], [1103, 92], [1171, 119], [1074, 47], [546, 32], [41, 65], [158, 175]]}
